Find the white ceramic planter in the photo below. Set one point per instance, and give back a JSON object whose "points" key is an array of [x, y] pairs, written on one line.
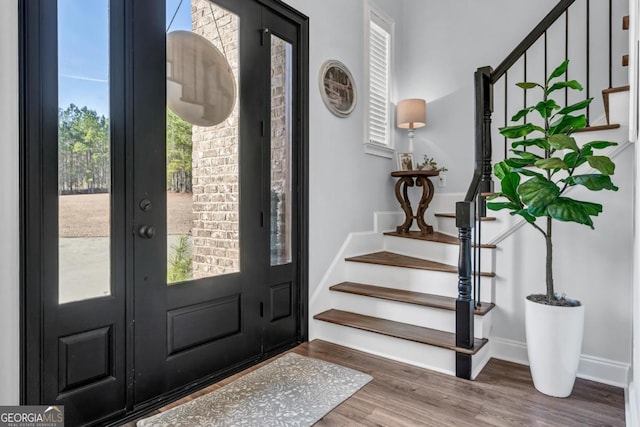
{"points": [[554, 344]]}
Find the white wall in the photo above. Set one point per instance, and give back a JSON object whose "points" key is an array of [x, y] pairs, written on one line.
{"points": [[346, 185], [9, 259]]}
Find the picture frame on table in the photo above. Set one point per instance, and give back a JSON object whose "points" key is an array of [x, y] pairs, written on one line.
{"points": [[405, 161]]}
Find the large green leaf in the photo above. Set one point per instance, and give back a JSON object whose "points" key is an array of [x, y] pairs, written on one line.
{"points": [[525, 214], [567, 124], [527, 85], [593, 209], [537, 212], [496, 206], [520, 114], [575, 107], [571, 158], [602, 163], [546, 108], [563, 142], [551, 163], [568, 210], [509, 186], [599, 145], [580, 157], [516, 162], [500, 169], [594, 182], [526, 155], [526, 172], [560, 70], [519, 131], [538, 192], [571, 84], [538, 142]]}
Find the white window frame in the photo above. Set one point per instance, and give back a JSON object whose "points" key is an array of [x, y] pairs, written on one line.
{"points": [[374, 14]]}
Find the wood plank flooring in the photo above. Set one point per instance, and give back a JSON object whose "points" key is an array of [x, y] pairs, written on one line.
{"points": [[502, 395]]}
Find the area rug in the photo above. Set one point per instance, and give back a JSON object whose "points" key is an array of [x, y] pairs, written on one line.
{"points": [[292, 390]]}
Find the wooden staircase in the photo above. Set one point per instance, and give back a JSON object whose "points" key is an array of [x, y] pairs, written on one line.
{"points": [[403, 307]]}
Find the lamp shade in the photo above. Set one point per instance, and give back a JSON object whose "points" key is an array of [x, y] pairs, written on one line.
{"points": [[411, 113]]}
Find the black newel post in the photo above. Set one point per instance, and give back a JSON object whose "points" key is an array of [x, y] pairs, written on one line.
{"points": [[465, 213], [484, 109]]}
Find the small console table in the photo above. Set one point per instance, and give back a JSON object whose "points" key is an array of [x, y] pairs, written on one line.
{"points": [[409, 179]]}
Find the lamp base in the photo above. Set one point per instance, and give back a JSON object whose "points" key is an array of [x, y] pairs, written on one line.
{"points": [[411, 134]]}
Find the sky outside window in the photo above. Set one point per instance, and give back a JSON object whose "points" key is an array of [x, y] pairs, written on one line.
{"points": [[83, 68]]}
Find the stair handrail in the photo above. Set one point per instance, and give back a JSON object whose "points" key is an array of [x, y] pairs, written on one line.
{"points": [[531, 38], [473, 207]]}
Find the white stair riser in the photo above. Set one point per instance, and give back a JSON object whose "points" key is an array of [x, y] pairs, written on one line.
{"points": [[619, 108], [440, 252], [428, 317], [427, 281], [480, 359], [425, 356], [422, 355], [489, 229]]}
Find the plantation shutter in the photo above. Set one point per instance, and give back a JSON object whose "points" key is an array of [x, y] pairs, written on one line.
{"points": [[379, 68]]}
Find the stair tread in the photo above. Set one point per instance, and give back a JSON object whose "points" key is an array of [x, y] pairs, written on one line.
{"points": [[400, 330], [398, 260], [597, 128], [453, 215], [616, 89], [432, 237], [409, 297]]}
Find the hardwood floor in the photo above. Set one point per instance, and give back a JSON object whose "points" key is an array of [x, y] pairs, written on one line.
{"points": [[502, 395]]}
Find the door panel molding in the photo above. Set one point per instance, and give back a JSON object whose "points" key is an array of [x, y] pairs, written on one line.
{"points": [[200, 324]]}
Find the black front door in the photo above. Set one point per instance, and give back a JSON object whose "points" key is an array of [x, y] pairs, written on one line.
{"points": [[158, 254]]}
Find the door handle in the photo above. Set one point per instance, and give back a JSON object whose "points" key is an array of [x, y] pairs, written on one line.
{"points": [[146, 231]]}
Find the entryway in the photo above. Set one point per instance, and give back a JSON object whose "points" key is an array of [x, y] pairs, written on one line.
{"points": [[164, 238]]}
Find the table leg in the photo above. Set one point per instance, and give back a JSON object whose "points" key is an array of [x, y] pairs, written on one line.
{"points": [[427, 195], [403, 198]]}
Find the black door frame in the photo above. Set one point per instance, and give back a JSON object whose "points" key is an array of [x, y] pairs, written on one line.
{"points": [[33, 83]]}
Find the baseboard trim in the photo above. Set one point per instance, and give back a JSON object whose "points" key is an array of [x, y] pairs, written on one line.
{"points": [[592, 368]]}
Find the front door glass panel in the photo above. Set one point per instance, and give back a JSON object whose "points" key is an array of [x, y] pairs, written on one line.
{"points": [[281, 132], [84, 151], [203, 193]]}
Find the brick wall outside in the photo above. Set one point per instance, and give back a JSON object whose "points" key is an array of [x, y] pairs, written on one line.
{"points": [[280, 154], [216, 244], [215, 162]]}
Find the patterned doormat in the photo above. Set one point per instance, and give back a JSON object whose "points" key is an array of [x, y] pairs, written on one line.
{"points": [[292, 390]]}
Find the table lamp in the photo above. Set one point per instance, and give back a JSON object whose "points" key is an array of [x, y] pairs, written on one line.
{"points": [[411, 114]]}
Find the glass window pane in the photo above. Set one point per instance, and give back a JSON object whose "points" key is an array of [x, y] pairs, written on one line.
{"points": [[84, 159], [281, 86], [202, 158]]}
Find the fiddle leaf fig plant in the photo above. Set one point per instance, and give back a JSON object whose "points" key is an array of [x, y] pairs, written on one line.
{"points": [[546, 163]]}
